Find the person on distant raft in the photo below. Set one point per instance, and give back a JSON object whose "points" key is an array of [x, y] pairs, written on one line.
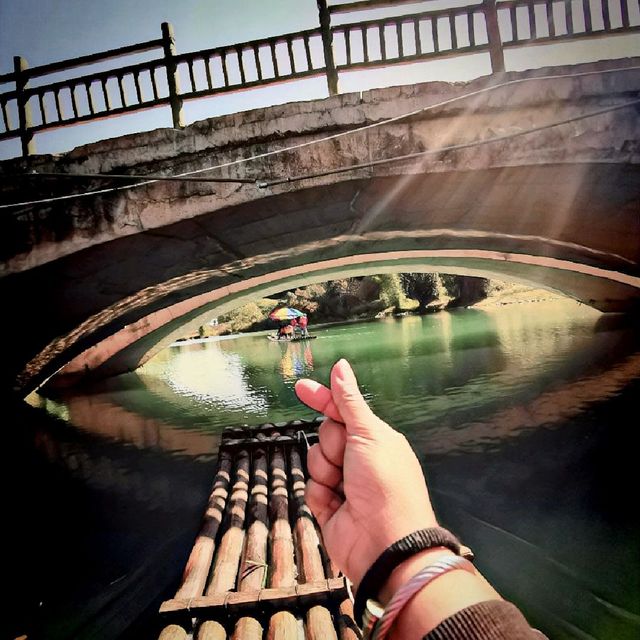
{"points": [[288, 332], [303, 326], [294, 326]]}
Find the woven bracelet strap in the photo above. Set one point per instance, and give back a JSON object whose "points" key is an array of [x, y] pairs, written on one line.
{"points": [[392, 556], [404, 594]]}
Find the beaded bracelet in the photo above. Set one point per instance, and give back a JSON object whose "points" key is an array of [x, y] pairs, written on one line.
{"points": [[411, 588], [379, 572]]}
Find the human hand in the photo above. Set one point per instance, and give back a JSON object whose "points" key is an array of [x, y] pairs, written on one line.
{"points": [[366, 486]]}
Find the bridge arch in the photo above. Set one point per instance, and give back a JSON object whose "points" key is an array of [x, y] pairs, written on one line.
{"points": [[137, 343]]}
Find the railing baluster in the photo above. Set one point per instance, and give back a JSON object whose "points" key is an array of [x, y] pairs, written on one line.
{"points": [[307, 50], [92, 106], [274, 58], [399, 38], [5, 116], [292, 62], [207, 71], [347, 44], [365, 45], [225, 71], [471, 29], [123, 97], [56, 94], [239, 52], [20, 66], [513, 18], [568, 16], [452, 29], [154, 84], [531, 12], [588, 24], [256, 55], [192, 78], [416, 36], [136, 82], [43, 110], [606, 17], [383, 41], [105, 95], [434, 34], [74, 105], [624, 13], [548, 5]]}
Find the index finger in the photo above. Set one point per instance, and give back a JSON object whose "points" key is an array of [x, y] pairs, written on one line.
{"points": [[318, 397]]}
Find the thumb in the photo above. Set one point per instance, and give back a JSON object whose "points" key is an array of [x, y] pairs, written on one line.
{"points": [[355, 412]]}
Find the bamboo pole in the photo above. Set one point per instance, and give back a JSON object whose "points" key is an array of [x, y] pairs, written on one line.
{"points": [[223, 577], [210, 630], [253, 568], [347, 628], [282, 625], [283, 569], [310, 568], [247, 629], [199, 563], [173, 632]]}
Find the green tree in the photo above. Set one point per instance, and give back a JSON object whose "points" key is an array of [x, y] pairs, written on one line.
{"points": [[423, 287]]}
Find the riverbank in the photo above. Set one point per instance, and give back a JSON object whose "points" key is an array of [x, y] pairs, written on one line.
{"points": [[498, 294], [516, 294]]}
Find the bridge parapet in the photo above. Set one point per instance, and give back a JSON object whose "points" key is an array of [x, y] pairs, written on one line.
{"points": [[490, 27]]}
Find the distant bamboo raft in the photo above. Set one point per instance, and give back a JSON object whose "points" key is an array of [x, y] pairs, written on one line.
{"points": [[258, 568]]}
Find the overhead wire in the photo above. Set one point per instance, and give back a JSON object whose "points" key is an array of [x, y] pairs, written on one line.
{"points": [[128, 176], [147, 180]]}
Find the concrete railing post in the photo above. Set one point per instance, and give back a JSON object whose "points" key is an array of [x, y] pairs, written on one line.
{"points": [[327, 45], [493, 35], [24, 109], [168, 44]]}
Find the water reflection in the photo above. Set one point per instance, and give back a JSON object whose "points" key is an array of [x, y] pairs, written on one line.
{"points": [[296, 361], [520, 414]]}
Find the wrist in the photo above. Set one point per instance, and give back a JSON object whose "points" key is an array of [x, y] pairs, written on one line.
{"points": [[408, 547], [410, 567]]}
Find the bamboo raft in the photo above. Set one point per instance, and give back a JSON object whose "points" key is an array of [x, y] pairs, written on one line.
{"points": [[258, 568]]}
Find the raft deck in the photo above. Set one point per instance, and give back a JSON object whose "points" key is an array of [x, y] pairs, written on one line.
{"points": [[258, 568]]}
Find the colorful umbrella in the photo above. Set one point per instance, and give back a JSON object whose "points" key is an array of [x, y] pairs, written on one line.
{"points": [[285, 313]]}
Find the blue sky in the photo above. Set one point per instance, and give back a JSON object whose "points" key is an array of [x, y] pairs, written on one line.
{"points": [[44, 31], [47, 30]]}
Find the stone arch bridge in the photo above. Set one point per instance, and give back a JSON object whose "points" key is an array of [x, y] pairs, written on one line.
{"points": [[99, 283]]}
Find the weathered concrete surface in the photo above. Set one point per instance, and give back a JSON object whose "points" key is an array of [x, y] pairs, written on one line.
{"points": [[568, 194]]}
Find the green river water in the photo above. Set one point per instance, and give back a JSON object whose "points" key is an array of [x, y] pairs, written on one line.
{"points": [[524, 417]]}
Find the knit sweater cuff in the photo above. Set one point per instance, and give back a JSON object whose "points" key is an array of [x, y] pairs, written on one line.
{"points": [[490, 620]]}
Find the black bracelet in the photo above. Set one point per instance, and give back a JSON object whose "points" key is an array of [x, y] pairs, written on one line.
{"points": [[392, 556]]}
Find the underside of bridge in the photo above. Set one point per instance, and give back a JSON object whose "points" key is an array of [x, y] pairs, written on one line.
{"points": [[102, 284], [570, 228]]}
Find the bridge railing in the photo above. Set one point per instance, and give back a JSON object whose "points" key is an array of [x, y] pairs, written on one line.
{"points": [[168, 79]]}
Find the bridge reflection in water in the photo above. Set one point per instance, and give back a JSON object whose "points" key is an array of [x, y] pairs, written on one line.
{"points": [[520, 415]]}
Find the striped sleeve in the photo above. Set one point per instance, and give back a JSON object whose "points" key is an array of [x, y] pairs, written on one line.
{"points": [[490, 620]]}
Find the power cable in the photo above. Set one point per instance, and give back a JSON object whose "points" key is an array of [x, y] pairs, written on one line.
{"points": [[129, 176]]}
